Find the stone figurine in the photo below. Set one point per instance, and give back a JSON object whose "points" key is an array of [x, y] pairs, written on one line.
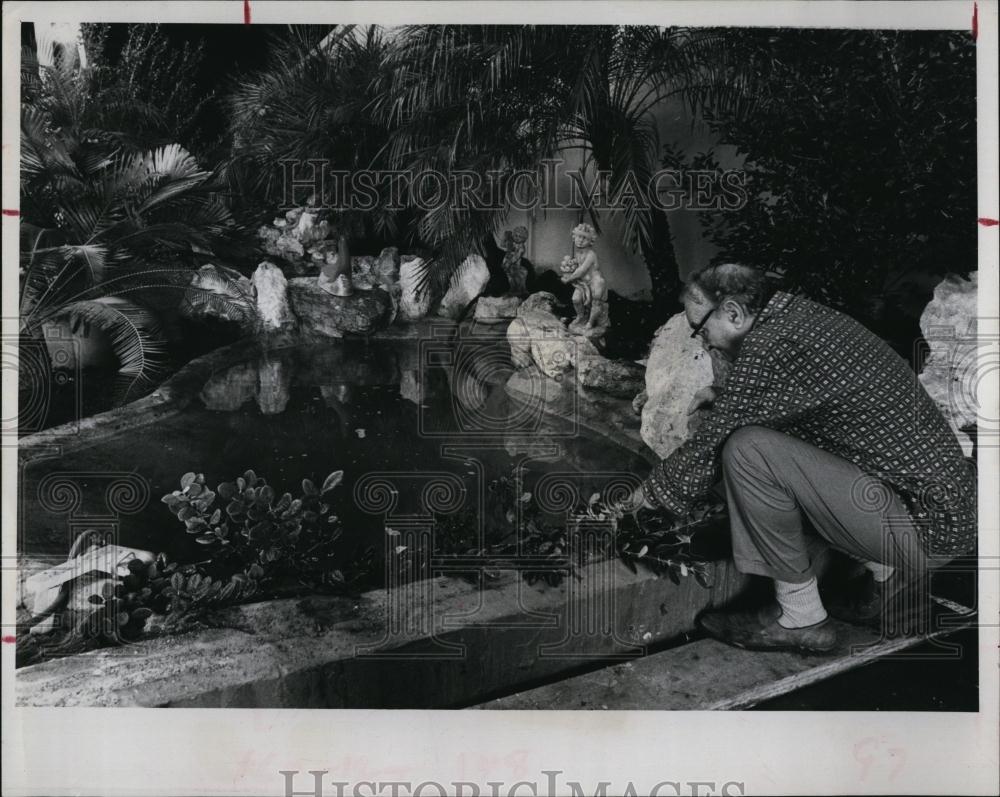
{"points": [[583, 271], [517, 275]]}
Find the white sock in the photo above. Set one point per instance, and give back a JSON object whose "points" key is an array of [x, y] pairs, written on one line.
{"points": [[880, 572], [800, 604]]}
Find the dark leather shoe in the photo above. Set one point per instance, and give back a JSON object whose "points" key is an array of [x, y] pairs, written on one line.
{"points": [[760, 630], [901, 598]]}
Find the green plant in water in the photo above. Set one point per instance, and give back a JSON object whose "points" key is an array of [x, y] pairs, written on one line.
{"points": [[244, 523], [522, 538]]}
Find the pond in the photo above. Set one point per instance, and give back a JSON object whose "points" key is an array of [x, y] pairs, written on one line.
{"points": [[419, 427]]}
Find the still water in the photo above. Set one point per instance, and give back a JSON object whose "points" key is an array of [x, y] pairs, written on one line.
{"points": [[425, 422]]}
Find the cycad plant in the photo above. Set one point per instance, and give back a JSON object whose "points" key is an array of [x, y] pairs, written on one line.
{"points": [[109, 230], [503, 98]]}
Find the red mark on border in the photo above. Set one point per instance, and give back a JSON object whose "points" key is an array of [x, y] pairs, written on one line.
{"points": [[9, 639], [989, 222], [975, 21], [246, 13], [7, 212]]}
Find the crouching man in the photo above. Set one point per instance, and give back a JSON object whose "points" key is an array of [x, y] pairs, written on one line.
{"points": [[819, 428]]}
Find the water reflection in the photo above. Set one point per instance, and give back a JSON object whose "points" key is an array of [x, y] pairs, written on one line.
{"points": [[364, 408], [473, 378]]}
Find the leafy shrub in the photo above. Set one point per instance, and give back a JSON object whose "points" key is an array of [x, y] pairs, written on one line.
{"points": [[246, 524], [860, 165], [151, 73], [165, 588]]}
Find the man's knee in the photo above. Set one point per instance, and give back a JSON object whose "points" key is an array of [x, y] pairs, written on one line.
{"points": [[746, 444]]}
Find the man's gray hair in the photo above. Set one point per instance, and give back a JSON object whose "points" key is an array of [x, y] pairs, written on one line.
{"points": [[744, 284]]}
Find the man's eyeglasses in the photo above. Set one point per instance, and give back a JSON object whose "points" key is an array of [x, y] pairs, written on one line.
{"points": [[696, 329]]}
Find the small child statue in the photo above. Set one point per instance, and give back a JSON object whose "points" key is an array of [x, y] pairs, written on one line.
{"points": [[590, 297], [517, 275]]}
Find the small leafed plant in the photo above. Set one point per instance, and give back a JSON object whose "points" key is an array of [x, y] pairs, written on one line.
{"points": [[547, 551], [259, 543], [245, 524], [160, 596]]}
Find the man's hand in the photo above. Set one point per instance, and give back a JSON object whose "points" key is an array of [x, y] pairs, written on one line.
{"points": [[703, 399], [635, 502]]}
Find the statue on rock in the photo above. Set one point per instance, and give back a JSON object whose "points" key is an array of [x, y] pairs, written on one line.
{"points": [[590, 295], [517, 274], [335, 275]]}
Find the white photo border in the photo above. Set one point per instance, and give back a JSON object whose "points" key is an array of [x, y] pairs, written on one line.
{"points": [[106, 751]]}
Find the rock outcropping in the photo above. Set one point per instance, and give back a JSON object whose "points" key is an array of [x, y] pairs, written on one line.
{"points": [[270, 288], [614, 377], [950, 372], [497, 309], [319, 313], [537, 335], [414, 298], [468, 283], [676, 369]]}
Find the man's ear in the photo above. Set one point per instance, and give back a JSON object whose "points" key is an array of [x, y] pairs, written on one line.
{"points": [[734, 311]]}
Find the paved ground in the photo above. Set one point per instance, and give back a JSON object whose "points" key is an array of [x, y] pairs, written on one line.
{"points": [[924, 678]]}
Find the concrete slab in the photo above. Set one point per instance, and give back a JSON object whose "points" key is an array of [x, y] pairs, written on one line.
{"points": [[437, 643], [709, 675]]}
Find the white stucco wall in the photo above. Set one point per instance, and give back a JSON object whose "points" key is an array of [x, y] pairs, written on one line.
{"points": [[64, 34]]}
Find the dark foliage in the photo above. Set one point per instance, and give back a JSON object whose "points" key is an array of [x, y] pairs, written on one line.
{"points": [[112, 219], [860, 152], [500, 99]]}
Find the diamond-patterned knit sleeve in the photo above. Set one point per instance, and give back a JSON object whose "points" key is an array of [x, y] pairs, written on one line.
{"points": [[762, 389]]}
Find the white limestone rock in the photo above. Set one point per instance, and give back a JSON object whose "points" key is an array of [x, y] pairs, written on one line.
{"points": [[271, 290], [676, 369], [386, 266], [467, 283], [413, 303], [950, 373], [362, 274]]}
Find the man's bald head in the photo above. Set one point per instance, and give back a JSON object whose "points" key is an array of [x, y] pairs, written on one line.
{"points": [[744, 284]]}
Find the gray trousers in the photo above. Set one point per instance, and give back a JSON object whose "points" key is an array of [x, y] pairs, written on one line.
{"points": [[774, 483]]}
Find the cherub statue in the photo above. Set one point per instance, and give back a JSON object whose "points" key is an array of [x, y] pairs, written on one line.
{"points": [[517, 275], [582, 270]]}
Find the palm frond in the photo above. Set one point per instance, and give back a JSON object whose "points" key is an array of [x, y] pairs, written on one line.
{"points": [[134, 333]]}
